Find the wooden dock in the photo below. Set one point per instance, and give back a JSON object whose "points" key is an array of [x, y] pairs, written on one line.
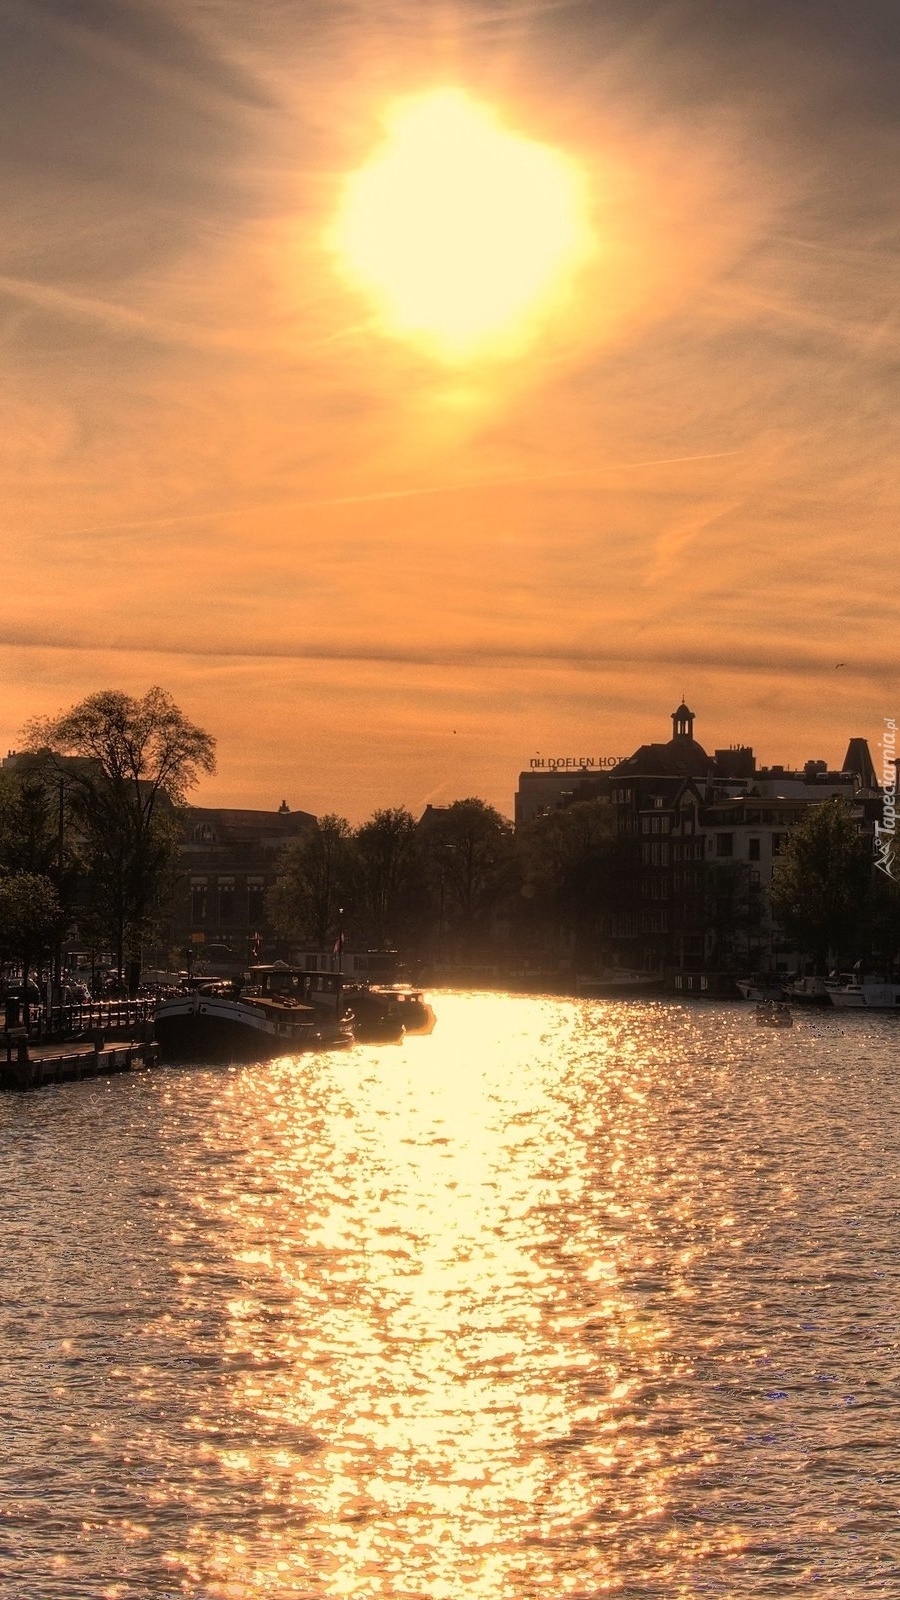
{"points": [[29, 1066]]}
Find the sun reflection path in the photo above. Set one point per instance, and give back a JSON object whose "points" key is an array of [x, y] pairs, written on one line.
{"points": [[442, 1369]]}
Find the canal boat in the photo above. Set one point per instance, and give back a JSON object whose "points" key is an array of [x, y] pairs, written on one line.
{"points": [[277, 1011], [383, 1013]]}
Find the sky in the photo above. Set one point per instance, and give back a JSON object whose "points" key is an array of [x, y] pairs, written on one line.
{"points": [[381, 574]]}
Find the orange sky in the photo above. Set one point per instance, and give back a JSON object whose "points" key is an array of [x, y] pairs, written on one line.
{"points": [[380, 579]]}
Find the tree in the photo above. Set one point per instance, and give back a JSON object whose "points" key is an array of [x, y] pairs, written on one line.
{"points": [[34, 833], [821, 883], [127, 765], [387, 873], [29, 818], [30, 920], [314, 880], [573, 867], [469, 850]]}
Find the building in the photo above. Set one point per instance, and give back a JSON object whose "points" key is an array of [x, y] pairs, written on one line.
{"points": [[703, 835], [227, 860], [550, 785]]}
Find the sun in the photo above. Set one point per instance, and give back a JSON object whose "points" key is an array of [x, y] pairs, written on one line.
{"points": [[464, 234]]}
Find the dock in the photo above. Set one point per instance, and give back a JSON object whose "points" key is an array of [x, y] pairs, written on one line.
{"points": [[29, 1066]]}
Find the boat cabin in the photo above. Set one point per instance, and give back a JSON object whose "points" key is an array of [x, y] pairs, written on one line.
{"points": [[295, 986]]}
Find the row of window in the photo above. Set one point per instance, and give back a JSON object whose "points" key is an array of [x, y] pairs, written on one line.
{"points": [[220, 902], [688, 849], [656, 825]]}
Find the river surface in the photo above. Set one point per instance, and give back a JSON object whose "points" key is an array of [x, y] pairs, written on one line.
{"points": [[570, 1299]]}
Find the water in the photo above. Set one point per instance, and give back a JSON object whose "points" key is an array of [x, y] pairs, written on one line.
{"points": [[571, 1299]]}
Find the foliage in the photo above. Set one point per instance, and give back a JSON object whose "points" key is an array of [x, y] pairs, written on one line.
{"points": [[821, 883], [471, 861], [572, 861], [126, 764], [29, 820], [315, 878], [30, 917], [884, 917], [388, 886]]}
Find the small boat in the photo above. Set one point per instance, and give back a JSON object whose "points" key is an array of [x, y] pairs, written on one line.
{"points": [[383, 1013], [774, 1014], [807, 991], [761, 987], [278, 1011], [416, 1012], [618, 983]]}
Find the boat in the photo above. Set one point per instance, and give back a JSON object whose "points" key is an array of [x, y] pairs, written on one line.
{"points": [[807, 991], [383, 1013], [774, 1014], [864, 994], [276, 1011], [763, 986], [616, 983], [417, 1012]]}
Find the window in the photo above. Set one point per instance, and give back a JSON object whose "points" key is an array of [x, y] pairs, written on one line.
{"points": [[199, 900], [753, 850], [724, 844], [255, 896], [226, 901]]}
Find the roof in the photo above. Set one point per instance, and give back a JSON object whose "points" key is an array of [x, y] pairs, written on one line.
{"points": [[679, 758]]}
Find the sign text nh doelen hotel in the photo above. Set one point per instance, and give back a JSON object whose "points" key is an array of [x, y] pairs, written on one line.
{"points": [[572, 763]]}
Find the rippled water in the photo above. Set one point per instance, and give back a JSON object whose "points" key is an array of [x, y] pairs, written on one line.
{"points": [[568, 1299]]}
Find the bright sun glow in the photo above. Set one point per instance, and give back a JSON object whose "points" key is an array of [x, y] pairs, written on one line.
{"points": [[465, 235]]}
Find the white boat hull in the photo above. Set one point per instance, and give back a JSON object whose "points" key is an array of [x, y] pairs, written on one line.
{"points": [[866, 996]]}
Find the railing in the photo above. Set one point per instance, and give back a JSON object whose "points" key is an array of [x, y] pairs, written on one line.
{"points": [[88, 1017]]}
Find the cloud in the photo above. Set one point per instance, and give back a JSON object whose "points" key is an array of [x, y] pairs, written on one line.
{"points": [[213, 460]]}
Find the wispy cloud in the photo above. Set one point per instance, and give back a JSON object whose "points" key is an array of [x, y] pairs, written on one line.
{"points": [[213, 459]]}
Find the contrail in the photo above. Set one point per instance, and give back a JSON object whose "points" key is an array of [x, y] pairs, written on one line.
{"points": [[374, 496]]}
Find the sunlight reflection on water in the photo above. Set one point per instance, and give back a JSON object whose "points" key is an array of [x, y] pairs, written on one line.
{"points": [[568, 1298]]}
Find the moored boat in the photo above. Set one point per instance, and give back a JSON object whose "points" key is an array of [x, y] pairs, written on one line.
{"points": [[279, 1011], [383, 1013], [807, 991], [618, 983], [864, 994], [763, 986]]}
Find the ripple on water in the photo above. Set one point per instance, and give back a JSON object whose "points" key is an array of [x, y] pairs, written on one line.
{"points": [[569, 1298]]}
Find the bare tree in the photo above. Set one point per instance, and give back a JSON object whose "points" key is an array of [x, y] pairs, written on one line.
{"points": [[127, 765]]}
